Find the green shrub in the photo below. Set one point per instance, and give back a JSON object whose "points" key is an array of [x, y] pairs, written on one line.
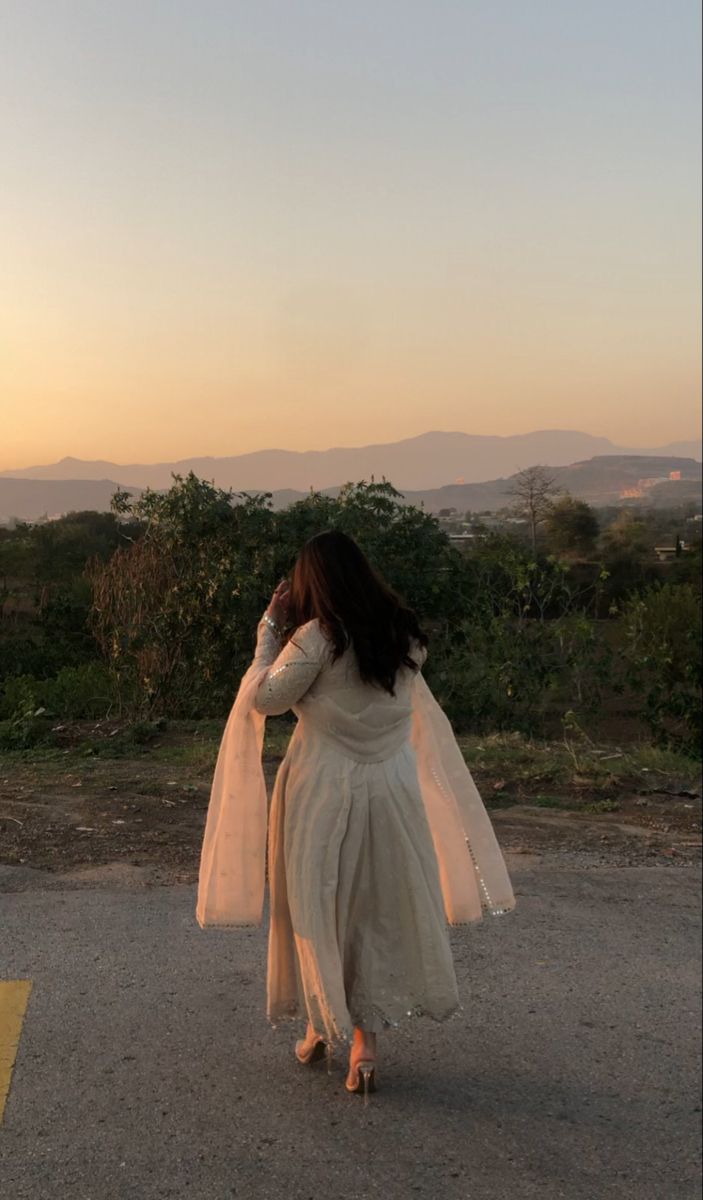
{"points": [[84, 691], [22, 727], [662, 652]]}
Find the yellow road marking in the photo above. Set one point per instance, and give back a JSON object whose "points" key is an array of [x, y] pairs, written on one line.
{"points": [[14, 997]]}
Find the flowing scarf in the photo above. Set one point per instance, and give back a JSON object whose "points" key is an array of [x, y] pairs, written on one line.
{"points": [[473, 874]]}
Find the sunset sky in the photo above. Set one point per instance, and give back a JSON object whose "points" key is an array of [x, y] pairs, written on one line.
{"points": [[232, 225]]}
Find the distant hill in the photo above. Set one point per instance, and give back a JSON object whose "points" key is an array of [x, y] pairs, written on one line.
{"points": [[431, 460], [32, 499], [601, 480]]}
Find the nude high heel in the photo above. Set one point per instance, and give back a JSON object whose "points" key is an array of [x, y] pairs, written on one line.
{"points": [[310, 1052], [362, 1078]]}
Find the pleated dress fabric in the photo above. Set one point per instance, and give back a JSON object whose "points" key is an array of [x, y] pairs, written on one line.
{"points": [[358, 934]]}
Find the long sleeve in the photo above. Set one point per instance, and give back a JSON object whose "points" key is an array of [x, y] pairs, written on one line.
{"points": [[292, 670], [418, 652]]}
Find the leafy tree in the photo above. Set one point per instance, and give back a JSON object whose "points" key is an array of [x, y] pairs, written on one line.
{"points": [[62, 547], [571, 526], [170, 585], [626, 553], [173, 609], [628, 537], [45, 601], [175, 612]]}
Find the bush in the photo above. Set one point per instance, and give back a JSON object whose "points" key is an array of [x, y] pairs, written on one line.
{"points": [[663, 653], [523, 646], [18, 691], [22, 725], [84, 691], [75, 692]]}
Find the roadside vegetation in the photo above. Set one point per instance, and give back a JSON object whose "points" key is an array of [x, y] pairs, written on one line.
{"points": [[567, 627]]}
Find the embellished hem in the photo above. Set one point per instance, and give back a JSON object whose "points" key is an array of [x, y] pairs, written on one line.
{"points": [[228, 924], [485, 912], [344, 1034]]}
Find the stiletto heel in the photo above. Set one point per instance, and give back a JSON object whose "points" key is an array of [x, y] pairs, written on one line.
{"points": [[362, 1078], [328, 1057], [366, 1071]]}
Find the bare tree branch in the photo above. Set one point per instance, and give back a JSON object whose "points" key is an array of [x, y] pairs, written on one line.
{"points": [[533, 491]]}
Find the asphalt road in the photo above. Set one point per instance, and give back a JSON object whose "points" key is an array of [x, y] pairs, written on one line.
{"points": [[146, 1067]]}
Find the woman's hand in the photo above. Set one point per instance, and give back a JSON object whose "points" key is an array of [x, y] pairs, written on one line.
{"points": [[278, 605]]}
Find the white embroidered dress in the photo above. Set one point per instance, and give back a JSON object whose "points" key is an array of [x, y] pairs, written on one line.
{"points": [[377, 836], [358, 931]]}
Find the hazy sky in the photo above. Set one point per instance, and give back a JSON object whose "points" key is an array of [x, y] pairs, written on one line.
{"points": [[231, 225]]}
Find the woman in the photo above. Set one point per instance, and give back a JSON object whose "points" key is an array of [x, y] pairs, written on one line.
{"points": [[376, 835]]}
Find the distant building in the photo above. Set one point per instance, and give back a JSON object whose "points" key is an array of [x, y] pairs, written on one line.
{"points": [[665, 553]]}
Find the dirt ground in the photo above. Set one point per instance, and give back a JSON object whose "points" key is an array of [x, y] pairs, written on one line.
{"points": [[142, 812]]}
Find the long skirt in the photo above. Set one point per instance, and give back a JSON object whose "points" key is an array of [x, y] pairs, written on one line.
{"points": [[358, 934]]}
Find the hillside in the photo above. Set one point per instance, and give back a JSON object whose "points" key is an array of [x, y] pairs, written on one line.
{"points": [[32, 499], [432, 460], [601, 480]]}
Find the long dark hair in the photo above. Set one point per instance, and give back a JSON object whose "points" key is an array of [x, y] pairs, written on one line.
{"points": [[333, 580]]}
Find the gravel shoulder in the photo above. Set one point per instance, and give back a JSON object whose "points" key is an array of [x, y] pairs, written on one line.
{"points": [[92, 806]]}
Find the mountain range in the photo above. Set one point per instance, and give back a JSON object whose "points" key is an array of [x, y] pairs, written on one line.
{"points": [[430, 460], [600, 480]]}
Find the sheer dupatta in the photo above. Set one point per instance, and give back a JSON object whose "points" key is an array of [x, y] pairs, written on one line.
{"points": [[473, 875], [472, 871], [233, 855]]}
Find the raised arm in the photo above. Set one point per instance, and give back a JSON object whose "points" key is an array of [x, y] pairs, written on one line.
{"points": [[292, 670]]}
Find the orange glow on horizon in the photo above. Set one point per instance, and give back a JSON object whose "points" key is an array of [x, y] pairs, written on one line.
{"points": [[239, 232]]}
